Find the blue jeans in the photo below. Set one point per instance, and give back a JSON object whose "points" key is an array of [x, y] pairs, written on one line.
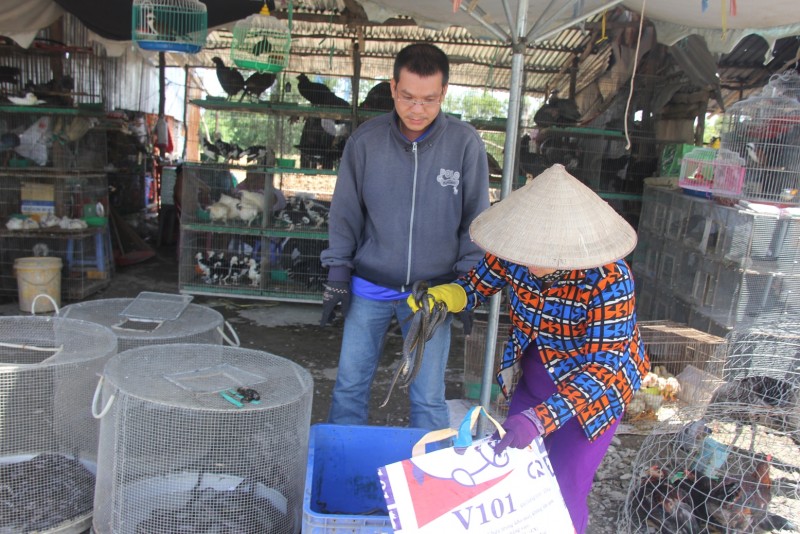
{"points": [[365, 330]]}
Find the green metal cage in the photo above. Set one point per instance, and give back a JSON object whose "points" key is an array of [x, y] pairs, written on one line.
{"points": [[169, 25], [261, 42]]}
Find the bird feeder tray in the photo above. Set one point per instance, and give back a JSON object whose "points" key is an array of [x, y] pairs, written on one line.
{"points": [[261, 42], [169, 25]]}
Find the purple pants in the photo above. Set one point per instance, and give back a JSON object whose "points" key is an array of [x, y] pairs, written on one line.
{"points": [[574, 459]]}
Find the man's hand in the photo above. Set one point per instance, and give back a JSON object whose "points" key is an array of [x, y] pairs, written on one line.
{"points": [[335, 293]]}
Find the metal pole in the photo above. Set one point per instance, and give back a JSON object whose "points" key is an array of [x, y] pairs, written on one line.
{"points": [[518, 45]]}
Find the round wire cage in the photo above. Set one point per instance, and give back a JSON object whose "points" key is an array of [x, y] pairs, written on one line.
{"points": [[169, 25], [201, 438], [154, 319], [764, 130], [48, 438], [732, 465], [261, 42]]}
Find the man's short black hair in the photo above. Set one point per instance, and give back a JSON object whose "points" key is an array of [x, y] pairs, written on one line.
{"points": [[423, 59]]}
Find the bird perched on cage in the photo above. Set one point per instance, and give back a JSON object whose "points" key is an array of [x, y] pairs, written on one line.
{"points": [[379, 98], [233, 272], [664, 506], [257, 83], [230, 79], [254, 272], [219, 211], [319, 94], [253, 199], [260, 155], [317, 212], [56, 91], [219, 267], [50, 221], [530, 162]]}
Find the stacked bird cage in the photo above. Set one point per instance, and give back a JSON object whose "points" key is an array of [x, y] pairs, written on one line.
{"points": [[169, 25], [154, 319], [731, 465], [48, 438], [201, 438], [764, 130], [683, 361]]}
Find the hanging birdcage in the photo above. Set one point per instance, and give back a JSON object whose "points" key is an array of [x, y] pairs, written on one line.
{"points": [[261, 42], [765, 131], [169, 25]]}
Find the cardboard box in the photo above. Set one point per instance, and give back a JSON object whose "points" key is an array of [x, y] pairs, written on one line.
{"points": [[37, 200]]}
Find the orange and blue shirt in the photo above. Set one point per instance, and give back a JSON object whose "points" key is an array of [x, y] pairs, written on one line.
{"points": [[584, 325]]}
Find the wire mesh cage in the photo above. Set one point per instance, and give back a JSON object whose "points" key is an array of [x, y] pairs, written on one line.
{"points": [[474, 356], [58, 214], [41, 138], [169, 25], [764, 130], [261, 42], [682, 366], [730, 465], [716, 473], [201, 438], [154, 319], [48, 438]]}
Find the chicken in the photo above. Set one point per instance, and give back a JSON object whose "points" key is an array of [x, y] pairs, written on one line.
{"points": [[201, 266], [319, 94], [219, 211], [664, 506], [247, 212], [230, 79], [252, 199], [257, 83]]}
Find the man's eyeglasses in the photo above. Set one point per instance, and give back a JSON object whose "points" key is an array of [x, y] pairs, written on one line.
{"points": [[410, 102]]}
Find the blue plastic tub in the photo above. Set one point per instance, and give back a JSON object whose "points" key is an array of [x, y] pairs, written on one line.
{"points": [[342, 492]]}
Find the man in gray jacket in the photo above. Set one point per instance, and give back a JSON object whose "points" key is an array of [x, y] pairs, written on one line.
{"points": [[410, 183]]}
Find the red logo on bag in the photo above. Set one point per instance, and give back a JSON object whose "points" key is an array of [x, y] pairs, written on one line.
{"points": [[449, 492]]}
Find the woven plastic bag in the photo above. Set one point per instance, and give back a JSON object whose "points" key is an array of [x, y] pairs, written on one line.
{"points": [[467, 488]]}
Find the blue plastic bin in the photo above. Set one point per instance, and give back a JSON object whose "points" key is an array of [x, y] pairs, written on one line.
{"points": [[342, 492]]}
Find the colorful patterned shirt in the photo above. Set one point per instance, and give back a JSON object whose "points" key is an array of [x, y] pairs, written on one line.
{"points": [[584, 325]]}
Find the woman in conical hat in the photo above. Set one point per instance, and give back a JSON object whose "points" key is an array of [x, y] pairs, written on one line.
{"points": [[559, 248]]}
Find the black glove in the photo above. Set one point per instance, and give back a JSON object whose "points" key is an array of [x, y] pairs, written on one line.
{"points": [[335, 293], [465, 317]]}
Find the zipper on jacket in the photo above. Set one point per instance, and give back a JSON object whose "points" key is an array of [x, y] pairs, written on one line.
{"points": [[411, 222]]}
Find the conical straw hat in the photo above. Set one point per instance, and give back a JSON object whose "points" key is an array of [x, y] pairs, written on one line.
{"points": [[554, 222]]}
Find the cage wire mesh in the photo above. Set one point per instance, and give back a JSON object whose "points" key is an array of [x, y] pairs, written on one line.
{"points": [[220, 251], [764, 130], [198, 438], [61, 214], [683, 361], [716, 267], [160, 318], [169, 25], [729, 465], [262, 42], [48, 438]]}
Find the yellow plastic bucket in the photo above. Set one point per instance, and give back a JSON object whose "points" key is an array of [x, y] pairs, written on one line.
{"points": [[36, 276]]}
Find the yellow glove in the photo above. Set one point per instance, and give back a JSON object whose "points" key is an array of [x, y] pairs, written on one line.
{"points": [[453, 296]]}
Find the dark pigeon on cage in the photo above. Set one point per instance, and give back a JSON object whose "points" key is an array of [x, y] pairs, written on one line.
{"points": [[303, 259], [318, 147], [379, 98], [230, 79], [319, 94], [257, 83], [557, 112], [57, 91], [10, 74], [531, 162]]}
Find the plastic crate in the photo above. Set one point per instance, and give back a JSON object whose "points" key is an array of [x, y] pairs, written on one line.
{"points": [[342, 492]]}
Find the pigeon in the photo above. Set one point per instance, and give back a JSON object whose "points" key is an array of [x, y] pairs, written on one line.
{"points": [[29, 99], [379, 98], [230, 79], [9, 74], [257, 83], [319, 94], [8, 141], [254, 272]]}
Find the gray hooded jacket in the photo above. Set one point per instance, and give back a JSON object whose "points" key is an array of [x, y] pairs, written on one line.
{"points": [[401, 211]]}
